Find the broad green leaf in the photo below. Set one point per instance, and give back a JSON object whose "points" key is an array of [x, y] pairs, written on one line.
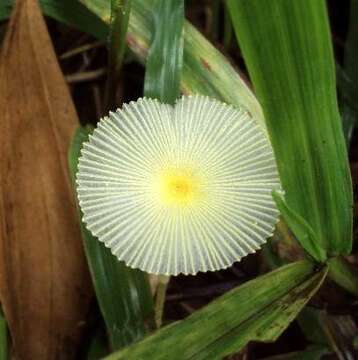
{"points": [[123, 294], [69, 12], [301, 229], [287, 48], [3, 337], [165, 57], [120, 10], [259, 310]]}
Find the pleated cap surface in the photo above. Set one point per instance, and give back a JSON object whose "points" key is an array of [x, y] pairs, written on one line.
{"points": [[179, 189]]}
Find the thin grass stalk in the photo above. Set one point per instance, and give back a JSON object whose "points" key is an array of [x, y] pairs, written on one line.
{"points": [[120, 10]]}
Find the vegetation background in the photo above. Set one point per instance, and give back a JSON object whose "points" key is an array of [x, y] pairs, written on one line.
{"points": [[66, 63]]}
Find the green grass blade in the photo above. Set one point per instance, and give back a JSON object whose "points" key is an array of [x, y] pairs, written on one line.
{"points": [[205, 69], [3, 337], [120, 10], [214, 19], [259, 310], [287, 49], [123, 294], [73, 13], [165, 57], [228, 30], [300, 228], [69, 12], [334, 332]]}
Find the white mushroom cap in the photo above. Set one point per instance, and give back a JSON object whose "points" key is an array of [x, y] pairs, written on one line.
{"points": [[179, 189]]}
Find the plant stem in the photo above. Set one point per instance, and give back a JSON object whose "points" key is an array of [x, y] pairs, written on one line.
{"points": [[160, 299], [120, 10]]}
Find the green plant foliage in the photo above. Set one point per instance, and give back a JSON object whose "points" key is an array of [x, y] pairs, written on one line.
{"points": [[287, 49], [3, 337], [228, 30], [311, 353], [73, 13], [300, 228], [123, 294], [259, 310], [344, 274], [165, 57], [120, 10], [69, 12], [205, 69], [5, 9]]}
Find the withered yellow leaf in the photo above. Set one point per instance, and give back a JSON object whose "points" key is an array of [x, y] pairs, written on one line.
{"points": [[44, 282]]}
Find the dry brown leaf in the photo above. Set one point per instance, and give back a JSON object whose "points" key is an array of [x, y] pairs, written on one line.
{"points": [[44, 282]]}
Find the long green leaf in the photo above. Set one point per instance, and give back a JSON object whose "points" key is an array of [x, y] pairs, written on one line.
{"points": [[3, 337], [259, 310], [300, 228], [287, 49], [69, 12], [165, 57], [228, 30], [123, 294], [120, 10]]}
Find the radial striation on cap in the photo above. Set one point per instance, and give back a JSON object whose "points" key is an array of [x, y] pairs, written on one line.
{"points": [[179, 189]]}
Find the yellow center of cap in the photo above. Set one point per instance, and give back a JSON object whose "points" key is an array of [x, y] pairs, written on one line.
{"points": [[178, 187]]}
